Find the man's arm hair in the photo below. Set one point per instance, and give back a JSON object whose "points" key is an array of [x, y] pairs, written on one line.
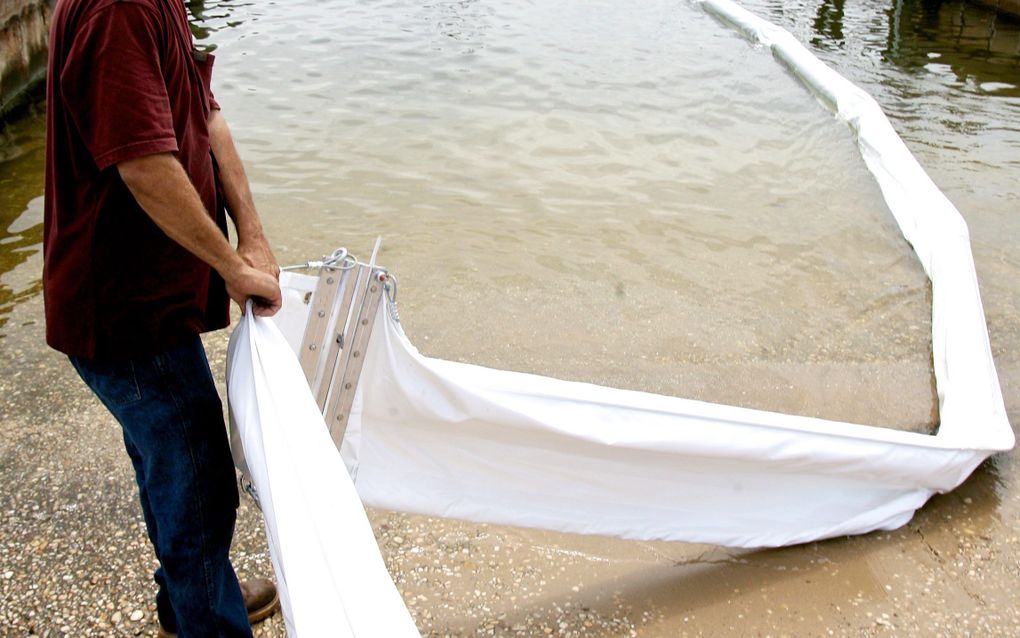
{"points": [[162, 188]]}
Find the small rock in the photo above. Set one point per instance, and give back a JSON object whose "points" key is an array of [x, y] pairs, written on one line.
{"points": [[137, 615]]}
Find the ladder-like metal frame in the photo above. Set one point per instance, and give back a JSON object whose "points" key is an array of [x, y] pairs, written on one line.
{"points": [[343, 311]]}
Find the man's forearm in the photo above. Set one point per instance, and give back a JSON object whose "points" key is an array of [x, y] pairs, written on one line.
{"points": [[251, 241], [233, 179], [162, 188]]}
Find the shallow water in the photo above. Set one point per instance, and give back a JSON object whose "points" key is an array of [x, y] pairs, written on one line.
{"points": [[948, 75], [632, 196], [643, 199]]}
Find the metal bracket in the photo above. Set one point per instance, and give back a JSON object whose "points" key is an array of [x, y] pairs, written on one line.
{"points": [[318, 321], [321, 391], [340, 321], [352, 357]]}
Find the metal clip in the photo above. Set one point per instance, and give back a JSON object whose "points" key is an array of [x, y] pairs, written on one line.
{"points": [[249, 488]]}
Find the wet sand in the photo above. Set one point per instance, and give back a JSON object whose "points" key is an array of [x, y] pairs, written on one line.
{"points": [[75, 560]]}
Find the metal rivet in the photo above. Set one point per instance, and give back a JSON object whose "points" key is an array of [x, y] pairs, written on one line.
{"points": [[347, 386], [311, 347], [372, 289], [322, 313], [329, 280], [339, 417], [356, 354], [364, 322]]}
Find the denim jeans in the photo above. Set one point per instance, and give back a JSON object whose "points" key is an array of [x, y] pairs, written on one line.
{"points": [[172, 421]]}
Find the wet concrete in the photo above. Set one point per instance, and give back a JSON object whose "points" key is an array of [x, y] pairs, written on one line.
{"points": [[24, 28], [1009, 7]]}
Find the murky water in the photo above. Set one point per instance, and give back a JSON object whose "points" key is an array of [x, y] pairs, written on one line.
{"points": [[948, 75], [22, 145], [629, 195]]}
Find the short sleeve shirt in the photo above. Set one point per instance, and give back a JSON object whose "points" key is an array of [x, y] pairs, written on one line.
{"points": [[124, 81]]}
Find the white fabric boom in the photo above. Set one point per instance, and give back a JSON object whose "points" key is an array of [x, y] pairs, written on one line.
{"points": [[456, 440], [330, 575], [461, 441]]}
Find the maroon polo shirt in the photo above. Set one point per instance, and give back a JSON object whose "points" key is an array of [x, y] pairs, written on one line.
{"points": [[124, 81]]}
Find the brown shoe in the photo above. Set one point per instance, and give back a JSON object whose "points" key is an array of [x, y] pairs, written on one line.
{"points": [[260, 599]]}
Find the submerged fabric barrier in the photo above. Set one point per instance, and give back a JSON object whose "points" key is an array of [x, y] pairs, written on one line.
{"points": [[456, 440], [461, 441], [331, 577], [971, 410]]}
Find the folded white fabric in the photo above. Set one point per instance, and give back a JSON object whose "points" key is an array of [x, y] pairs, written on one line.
{"points": [[331, 577], [462, 441]]}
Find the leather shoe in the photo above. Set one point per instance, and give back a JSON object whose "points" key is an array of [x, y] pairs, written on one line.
{"points": [[260, 599]]}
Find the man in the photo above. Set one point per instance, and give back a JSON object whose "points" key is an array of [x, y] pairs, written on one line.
{"points": [[140, 165]]}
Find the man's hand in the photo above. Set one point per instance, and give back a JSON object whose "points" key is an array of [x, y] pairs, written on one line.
{"points": [[244, 282], [255, 251]]}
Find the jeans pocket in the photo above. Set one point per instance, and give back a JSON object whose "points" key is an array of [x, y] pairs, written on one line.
{"points": [[114, 382]]}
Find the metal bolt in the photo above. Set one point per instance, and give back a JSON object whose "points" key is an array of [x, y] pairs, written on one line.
{"points": [[329, 280], [339, 417], [364, 322], [356, 353], [347, 386], [311, 347], [322, 313], [373, 289]]}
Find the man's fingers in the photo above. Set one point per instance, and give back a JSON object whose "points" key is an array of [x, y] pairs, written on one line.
{"points": [[269, 302], [269, 299], [263, 309], [262, 288]]}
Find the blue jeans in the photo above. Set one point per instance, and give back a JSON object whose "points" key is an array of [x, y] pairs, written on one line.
{"points": [[172, 421]]}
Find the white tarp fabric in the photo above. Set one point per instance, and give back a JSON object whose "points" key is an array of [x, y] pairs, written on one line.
{"points": [[456, 440], [461, 441], [331, 577]]}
